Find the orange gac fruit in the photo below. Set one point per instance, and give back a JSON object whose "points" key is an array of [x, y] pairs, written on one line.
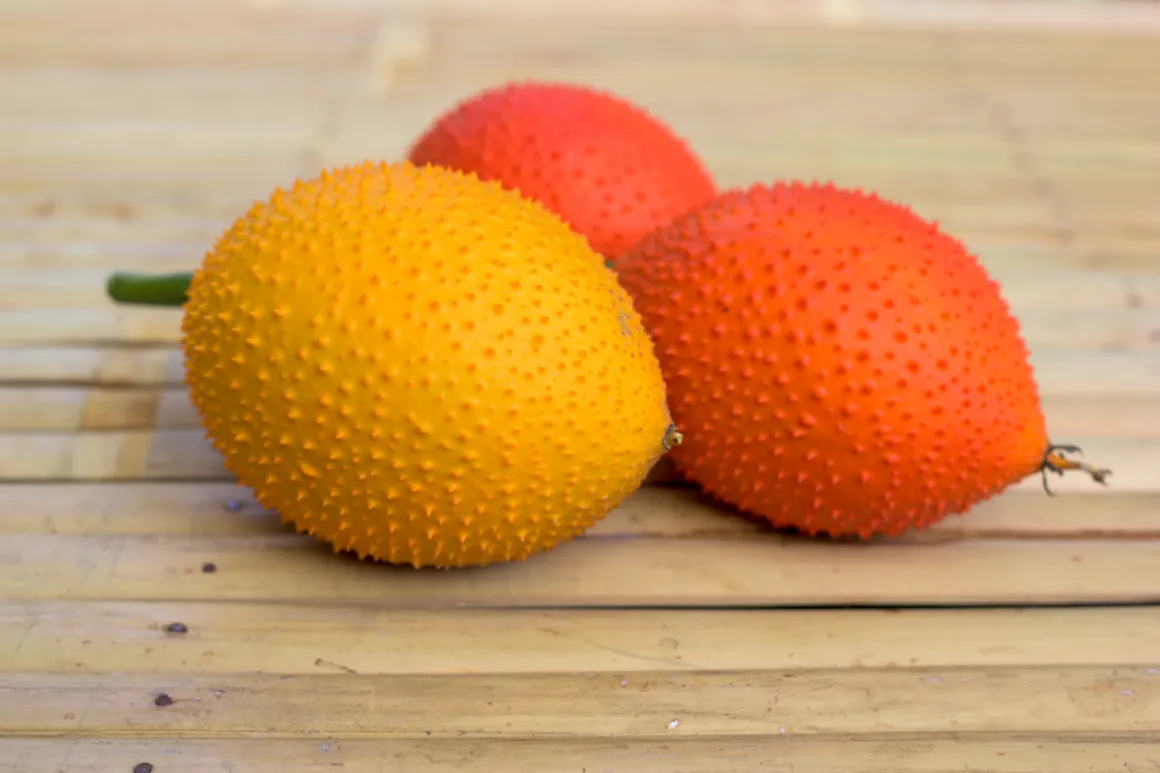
{"points": [[841, 366], [421, 367], [604, 165]]}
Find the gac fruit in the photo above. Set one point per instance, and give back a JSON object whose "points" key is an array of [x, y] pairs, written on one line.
{"points": [[841, 366], [607, 167], [422, 367]]}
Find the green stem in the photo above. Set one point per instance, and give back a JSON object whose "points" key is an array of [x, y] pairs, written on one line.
{"points": [[150, 290]]}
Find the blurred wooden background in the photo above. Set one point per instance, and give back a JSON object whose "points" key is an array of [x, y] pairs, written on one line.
{"points": [[673, 637]]}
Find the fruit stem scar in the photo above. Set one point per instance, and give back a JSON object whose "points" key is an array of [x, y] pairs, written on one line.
{"points": [[672, 438], [150, 289], [1055, 461]]}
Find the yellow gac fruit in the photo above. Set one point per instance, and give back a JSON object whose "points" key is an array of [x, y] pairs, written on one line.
{"points": [[422, 367]]}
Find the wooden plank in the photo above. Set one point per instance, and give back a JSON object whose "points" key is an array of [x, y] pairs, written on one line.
{"points": [[1025, 290], [1126, 329], [1071, 22], [226, 509], [124, 365], [757, 570], [72, 408], [98, 637], [815, 753], [234, 36], [1097, 700], [85, 408], [186, 454], [1060, 371]]}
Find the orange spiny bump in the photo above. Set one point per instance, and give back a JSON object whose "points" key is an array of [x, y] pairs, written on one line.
{"points": [[462, 382], [841, 365], [602, 163]]}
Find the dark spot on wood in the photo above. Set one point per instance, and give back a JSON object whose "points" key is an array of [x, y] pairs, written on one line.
{"points": [[45, 208], [1134, 300], [177, 628], [1154, 336], [209, 567], [163, 700], [114, 210], [330, 664], [143, 767]]}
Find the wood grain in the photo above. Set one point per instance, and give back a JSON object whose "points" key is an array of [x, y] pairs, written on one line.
{"points": [[765, 570], [77, 637], [816, 753], [1098, 700]]}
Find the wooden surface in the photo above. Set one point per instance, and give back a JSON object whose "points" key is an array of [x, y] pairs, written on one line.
{"points": [[674, 636]]}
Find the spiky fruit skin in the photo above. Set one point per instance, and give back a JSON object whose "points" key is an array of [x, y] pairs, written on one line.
{"points": [[611, 170], [421, 367], [841, 366]]}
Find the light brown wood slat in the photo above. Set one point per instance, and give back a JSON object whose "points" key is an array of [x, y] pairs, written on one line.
{"points": [[1078, 22], [1045, 245], [113, 455], [221, 509], [53, 232], [186, 454], [814, 753], [1025, 290], [85, 408], [1100, 700], [767, 570], [124, 365], [1128, 329], [1059, 371], [94, 637], [1123, 240], [232, 36], [25, 409]]}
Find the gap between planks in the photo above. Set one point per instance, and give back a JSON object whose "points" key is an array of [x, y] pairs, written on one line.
{"points": [[1113, 701], [78, 637], [817, 753]]}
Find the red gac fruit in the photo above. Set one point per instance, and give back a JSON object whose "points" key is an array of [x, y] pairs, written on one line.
{"points": [[837, 364], [601, 163]]}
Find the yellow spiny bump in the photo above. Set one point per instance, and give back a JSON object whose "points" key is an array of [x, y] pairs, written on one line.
{"points": [[418, 336]]}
